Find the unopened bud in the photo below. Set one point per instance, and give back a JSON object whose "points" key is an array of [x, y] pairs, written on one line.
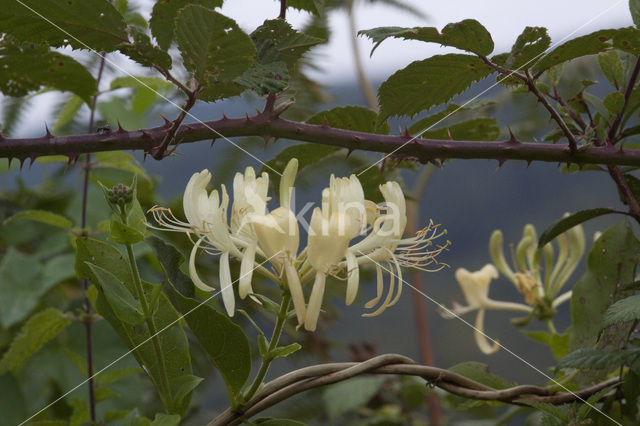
{"points": [[120, 195]]}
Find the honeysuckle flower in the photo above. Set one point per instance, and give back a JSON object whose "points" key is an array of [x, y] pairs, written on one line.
{"points": [[475, 287]]}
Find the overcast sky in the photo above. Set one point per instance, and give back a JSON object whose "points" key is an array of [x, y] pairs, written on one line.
{"points": [[505, 20]]}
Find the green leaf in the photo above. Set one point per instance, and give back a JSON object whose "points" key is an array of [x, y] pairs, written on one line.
{"points": [[634, 8], [215, 331], [467, 35], [70, 109], [569, 222], [56, 70], [124, 305], [112, 375], [591, 44], [351, 117], [268, 74], [140, 81], [21, 286], [122, 161], [528, 47], [340, 398], [612, 68], [12, 403], [42, 216], [598, 359], [558, 412], [93, 24], [285, 351], [611, 261], [479, 129], [314, 6], [143, 51], [164, 14], [183, 386], [614, 102], [124, 234], [627, 309], [162, 419], [214, 49], [558, 343], [291, 44], [429, 82], [38, 330], [480, 373], [103, 255]]}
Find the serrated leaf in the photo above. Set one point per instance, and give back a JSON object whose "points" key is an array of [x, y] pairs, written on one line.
{"points": [[614, 102], [569, 222], [290, 43], [38, 330], [268, 74], [558, 343], [558, 412], [93, 23], [612, 68], [429, 82], [162, 419], [467, 35], [634, 8], [214, 49], [590, 44], [163, 17], [21, 286], [42, 216], [223, 340], [123, 234], [144, 52], [285, 351], [478, 129], [67, 112], [480, 373], [56, 70], [340, 398], [627, 309], [350, 117], [122, 302], [611, 261], [598, 359], [528, 47]]}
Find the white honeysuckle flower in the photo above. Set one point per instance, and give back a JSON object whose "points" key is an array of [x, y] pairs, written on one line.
{"points": [[385, 245], [475, 287], [249, 198]]}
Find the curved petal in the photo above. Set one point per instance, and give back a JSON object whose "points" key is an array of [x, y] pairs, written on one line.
{"points": [[193, 273], [480, 337], [295, 288], [379, 287], [226, 285], [399, 276], [387, 300], [353, 274], [246, 271], [315, 302]]}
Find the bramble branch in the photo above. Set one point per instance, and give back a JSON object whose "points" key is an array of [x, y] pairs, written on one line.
{"points": [[267, 123]]}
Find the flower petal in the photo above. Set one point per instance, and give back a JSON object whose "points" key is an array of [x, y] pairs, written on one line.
{"points": [[379, 287], [193, 273], [353, 273], [315, 302], [295, 288], [246, 271], [226, 285], [481, 339]]}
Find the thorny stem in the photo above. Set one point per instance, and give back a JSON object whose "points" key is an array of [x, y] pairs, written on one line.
{"points": [[273, 343], [166, 74], [627, 94], [146, 311], [623, 186], [159, 152], [85, 283]]}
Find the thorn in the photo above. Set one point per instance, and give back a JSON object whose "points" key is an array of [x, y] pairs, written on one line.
{"points": [[32, 158], [224, 117], [349, 151], [441, 160], [501, 161], [512, 138], [325, 123], [167, 122], [357, 138], [620, 150], [266, 140], [248, 119], [529, 162], [258, 112], [73, 157], [145, 134], [449, 133], [144, 155], [9, 159], [406, 133], [48, 135], [212, 142], [120, 129], [22, 162]]}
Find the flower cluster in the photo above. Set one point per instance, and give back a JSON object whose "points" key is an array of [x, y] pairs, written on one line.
{"points": [[346, 232], [539, 276]]}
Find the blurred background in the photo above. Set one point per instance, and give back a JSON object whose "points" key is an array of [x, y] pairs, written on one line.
{"points": [[470, 198]]}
